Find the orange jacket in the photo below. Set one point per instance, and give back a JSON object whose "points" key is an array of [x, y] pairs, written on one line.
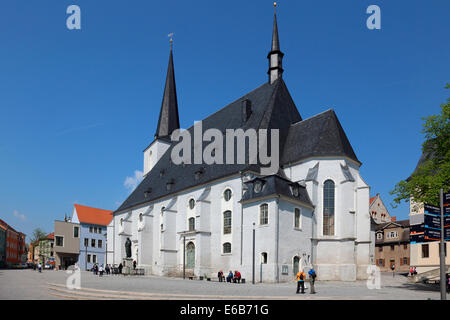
{"points": [[301, 273]]}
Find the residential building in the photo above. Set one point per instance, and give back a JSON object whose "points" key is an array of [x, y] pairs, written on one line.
{"points": [[378, 210], [93, 224], [392, 246], [2, 246], [312, 210], [425, 255], [66, 244], [46, 249], [15, 245]]}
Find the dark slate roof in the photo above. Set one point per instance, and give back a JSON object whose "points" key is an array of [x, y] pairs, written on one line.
{"points": [[321, 135], [275, 185], [271, 108], [168, 117]]}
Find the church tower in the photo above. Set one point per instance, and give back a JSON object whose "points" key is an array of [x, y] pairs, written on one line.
{"points": [[168, 120], [275, 56]]}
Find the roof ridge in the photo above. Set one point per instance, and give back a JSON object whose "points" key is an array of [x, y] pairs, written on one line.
{"points": [[312, 117]]}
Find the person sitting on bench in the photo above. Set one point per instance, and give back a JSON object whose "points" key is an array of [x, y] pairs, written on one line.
{"points": [[230, 276]]}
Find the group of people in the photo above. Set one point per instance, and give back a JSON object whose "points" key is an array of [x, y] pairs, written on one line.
{"points": [[301, 278], [99, 269], [412, 271], [236, 277]]}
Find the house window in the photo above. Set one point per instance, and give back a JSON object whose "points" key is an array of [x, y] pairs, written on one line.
{"points": [[227, 195], [76, 231], [100, 243], [91, 229], [328, 208], [405, 246], [425, 251], [162, 227], [93, 243], [86, 242], [227, 222], [405, 261], [297, 217], [227, 247], [191, 204], [380, 249], [94, 258], [379, 236], [59, 241], [392, 247], [191, 224], [89, 258], [264, 214], [264, 258]]}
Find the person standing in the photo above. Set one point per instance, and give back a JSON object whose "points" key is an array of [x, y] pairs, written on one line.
{"points": [[220, 275], [301, 281], [120, 268], [312, 277], [393, 269]]}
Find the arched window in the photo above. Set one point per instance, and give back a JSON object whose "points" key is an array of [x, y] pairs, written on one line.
{"points": [[227, 195], [328, 208], [264, 214], [140, 217], [295, 264], [121, 221], [264, 258], [191, 204], [227, 247], [191, 224], [227, 222]]}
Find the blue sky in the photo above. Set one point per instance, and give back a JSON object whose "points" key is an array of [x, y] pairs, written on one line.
{"points": [[77, 107]]}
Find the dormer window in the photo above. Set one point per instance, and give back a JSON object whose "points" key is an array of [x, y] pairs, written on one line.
{"points": [[169, 185], [161, 173], [198, 174], [257, 186]]}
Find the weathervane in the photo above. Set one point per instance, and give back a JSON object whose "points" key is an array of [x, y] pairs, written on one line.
{"points": [[170, 35]]}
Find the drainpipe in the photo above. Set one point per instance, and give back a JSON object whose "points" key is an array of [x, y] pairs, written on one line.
{"points": [[277, 239], [242, 215]]}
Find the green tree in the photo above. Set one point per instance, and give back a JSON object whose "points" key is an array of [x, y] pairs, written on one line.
{"points": [[434, 172]]}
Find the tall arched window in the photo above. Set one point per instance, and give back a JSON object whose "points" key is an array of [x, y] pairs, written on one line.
{"points": [[328, 208], [264, 214], [191, 224], [227, 222], [264, 258]]}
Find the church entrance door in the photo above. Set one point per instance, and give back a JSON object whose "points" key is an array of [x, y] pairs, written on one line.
{"points": [[190, 255]]}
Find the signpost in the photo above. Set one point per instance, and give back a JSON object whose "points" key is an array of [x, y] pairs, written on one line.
{"points": [[435, 227]]}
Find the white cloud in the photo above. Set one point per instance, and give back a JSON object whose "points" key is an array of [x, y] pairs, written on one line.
{"points": [[21, 216], [132, 182]]}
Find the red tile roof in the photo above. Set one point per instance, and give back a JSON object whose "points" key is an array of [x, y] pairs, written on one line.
{"points": [[50, 236], [372, 199], [93, 215]]}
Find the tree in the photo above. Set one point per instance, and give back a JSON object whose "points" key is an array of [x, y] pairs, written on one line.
{"points": [[433, 173], [38, 234]]}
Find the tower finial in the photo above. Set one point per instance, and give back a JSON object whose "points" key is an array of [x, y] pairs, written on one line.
{"points": [[275, 55], [170, 35]]}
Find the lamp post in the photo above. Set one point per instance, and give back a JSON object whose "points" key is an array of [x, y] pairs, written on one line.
{"points": [[441, 250], [184, 257]]}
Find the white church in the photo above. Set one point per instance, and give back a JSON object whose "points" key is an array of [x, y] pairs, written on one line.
{"points": [[200, 218]]}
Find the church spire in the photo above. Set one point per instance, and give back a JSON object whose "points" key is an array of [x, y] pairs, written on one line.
{"points": [[275, 56], [168, 117]]}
